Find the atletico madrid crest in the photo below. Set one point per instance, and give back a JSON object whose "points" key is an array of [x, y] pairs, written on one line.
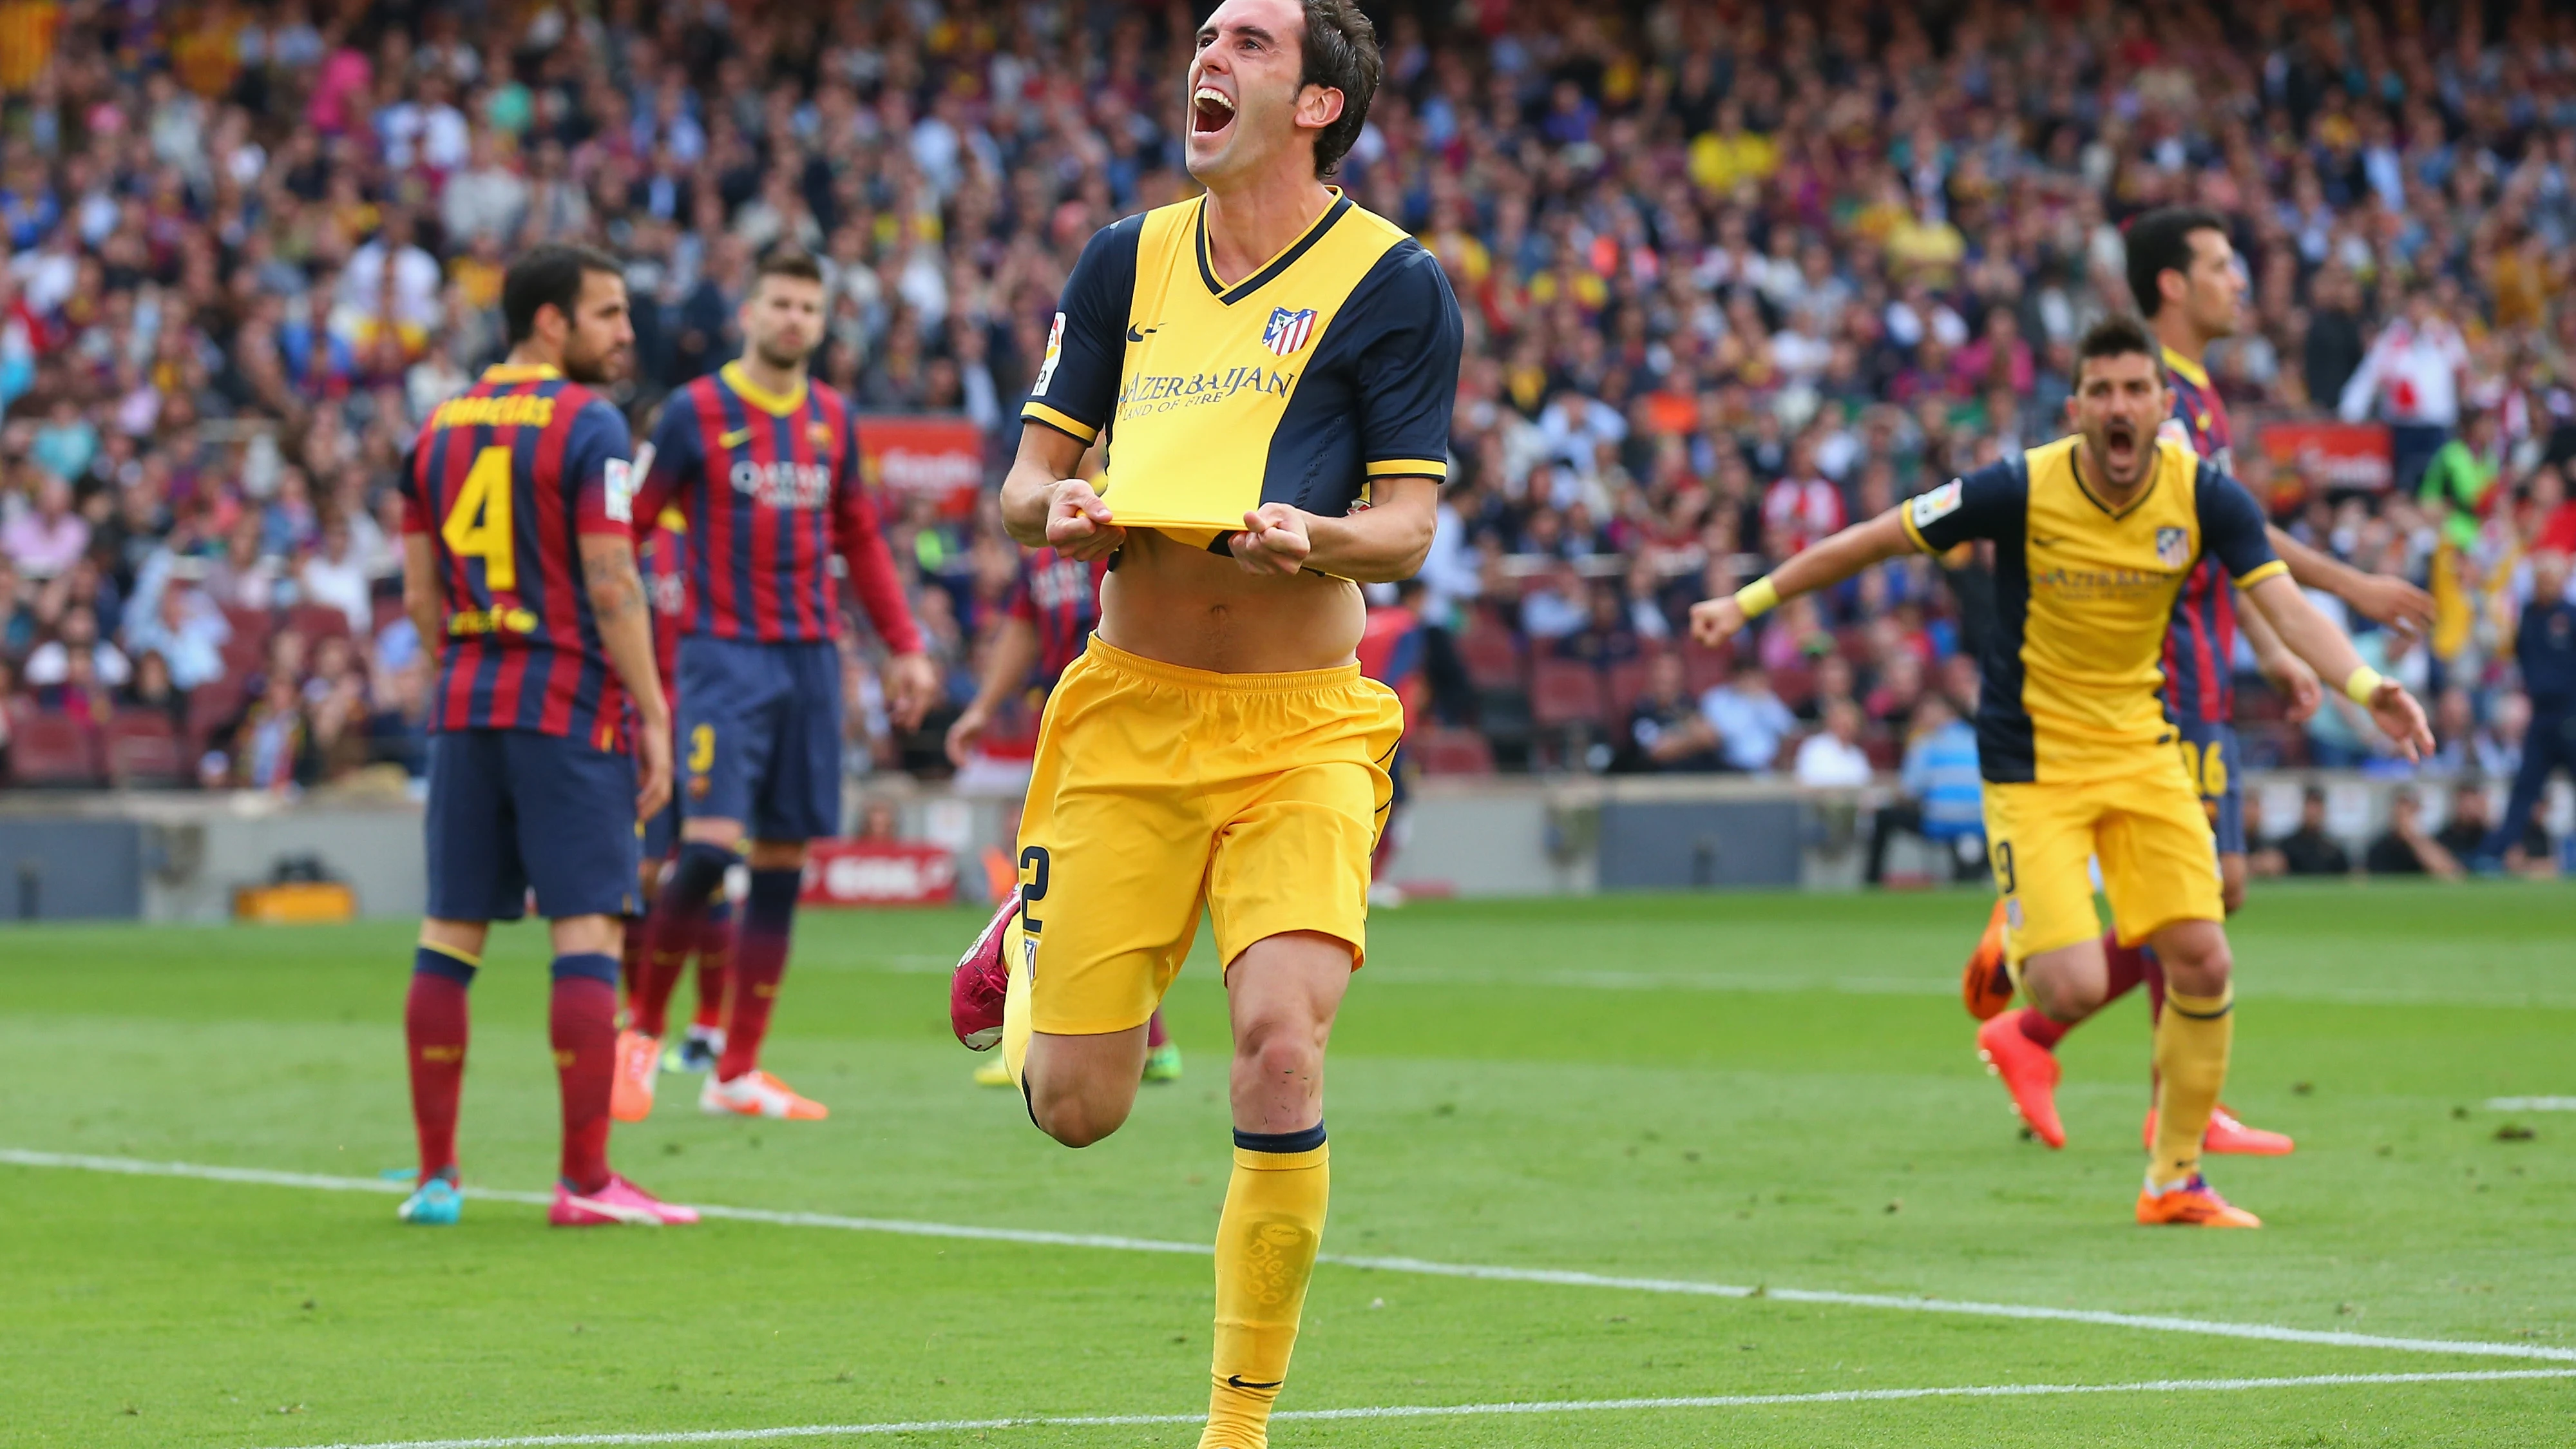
{"points": [[2173, 547], [1287, 331]]}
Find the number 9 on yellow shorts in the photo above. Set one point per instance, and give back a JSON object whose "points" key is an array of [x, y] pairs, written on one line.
{"points": [[2149, 830], [1159, 790]]}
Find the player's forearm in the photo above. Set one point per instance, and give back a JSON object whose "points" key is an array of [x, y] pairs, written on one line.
{"points": [[1843, 555], [1046, 458], [625, 618], [421, 597], [2261, 637], [2314, 568], [1378, 545], [1007, 665], [2309, 634], [880, 590]]}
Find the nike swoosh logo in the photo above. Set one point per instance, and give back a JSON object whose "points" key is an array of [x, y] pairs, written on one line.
{"points": [[1233, 1382], [1135, 336], [734, 439]]}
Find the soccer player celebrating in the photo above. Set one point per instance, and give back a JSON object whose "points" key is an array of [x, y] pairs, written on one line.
{"points": [[2188, 286], [763, 465], [1053, 607], [518, 559], [1276, 368], [2094, 536]]}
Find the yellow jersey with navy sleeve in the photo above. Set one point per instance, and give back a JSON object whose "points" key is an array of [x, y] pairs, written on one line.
{"points": [[2084, 595], [1335, 363]]}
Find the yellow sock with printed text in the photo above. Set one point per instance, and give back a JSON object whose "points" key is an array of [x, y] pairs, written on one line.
{"points": [[1265, 1255], [2192, 1041]]}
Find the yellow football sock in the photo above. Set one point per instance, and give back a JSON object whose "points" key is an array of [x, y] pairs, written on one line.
{"points": [[1265, 1253], [1016, 1029], [2192, 1040]]}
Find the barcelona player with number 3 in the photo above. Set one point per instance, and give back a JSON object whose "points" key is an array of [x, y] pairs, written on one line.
{"points": [[763, 465], [2094, 537], [518, 560], [2184, 275]]}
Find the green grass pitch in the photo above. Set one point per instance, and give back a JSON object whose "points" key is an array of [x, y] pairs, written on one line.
{"points": [[1771, 1090]]}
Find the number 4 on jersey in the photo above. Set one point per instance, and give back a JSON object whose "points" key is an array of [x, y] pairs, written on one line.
{"points": [[478, 524]]}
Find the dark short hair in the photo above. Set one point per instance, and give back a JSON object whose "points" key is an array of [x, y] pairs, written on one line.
{"points": [[2115, 337], [1340, 53], [548, 275], [788, 262], [2160, 242]]}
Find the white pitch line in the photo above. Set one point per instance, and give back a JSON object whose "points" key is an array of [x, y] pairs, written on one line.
{"points": [[1555, 1277], [1452, 1411], [2531, 1104]]}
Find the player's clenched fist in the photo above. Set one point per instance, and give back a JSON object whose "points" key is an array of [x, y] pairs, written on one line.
{"points": [[1714, 621], [1078, 524], [1273, 541]]}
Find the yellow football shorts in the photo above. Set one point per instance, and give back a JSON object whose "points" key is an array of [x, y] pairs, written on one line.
{"points": [[2149, 830], [1157, 791]]}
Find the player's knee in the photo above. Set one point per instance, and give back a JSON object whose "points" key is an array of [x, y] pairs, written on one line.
{"points": [[777, 855], [2196, 959], [1078, 1118], [2063, 995], [1279, 1052]]}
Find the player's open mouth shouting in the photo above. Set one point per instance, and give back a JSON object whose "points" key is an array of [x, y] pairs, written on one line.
{"points": [[1211, 111], [2120, 448]]}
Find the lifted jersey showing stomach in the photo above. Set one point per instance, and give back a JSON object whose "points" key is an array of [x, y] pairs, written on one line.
{"points": [[1334, 364], [2083, 594]]}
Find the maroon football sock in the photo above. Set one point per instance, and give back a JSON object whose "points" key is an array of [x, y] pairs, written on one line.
{"points": [[2155, 978], [582, 1023], [2040, 1029], [434, 1032], [715, 964], [759, 963], [1156, 1034], [2125, 966]]}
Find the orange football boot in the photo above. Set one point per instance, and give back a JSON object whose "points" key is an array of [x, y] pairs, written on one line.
{"points": [[2228, 1137], [2029, 1071], [2195, 1204], [630, 1090], [1986, 986]]}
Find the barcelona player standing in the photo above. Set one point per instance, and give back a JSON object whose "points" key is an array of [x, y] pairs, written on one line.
{"points": [[763, 465], [518, 559]]}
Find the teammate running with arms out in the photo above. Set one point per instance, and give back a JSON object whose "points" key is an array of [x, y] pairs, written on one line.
{"points": [[518, 559], [1274, 369], [2188, 286], [2094, 535], [1053, 607], [649, 987], [763, 465]]}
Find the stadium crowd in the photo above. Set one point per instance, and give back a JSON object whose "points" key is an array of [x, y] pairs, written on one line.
{"points": [[1732, 275]]}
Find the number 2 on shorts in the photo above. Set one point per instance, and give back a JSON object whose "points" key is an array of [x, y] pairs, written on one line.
{"points": [[1033, 883]]}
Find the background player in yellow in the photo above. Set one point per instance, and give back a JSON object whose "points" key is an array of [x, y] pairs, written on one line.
{"points": [[2093, 535], [1272, 371]]}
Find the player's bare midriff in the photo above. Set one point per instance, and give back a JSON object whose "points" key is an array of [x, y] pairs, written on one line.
{"points": [[1181, 605]]}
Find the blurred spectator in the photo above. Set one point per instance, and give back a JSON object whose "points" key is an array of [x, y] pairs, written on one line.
{"points": [[1665, 730], [2405, 848], [1751, 722], [184, 630], [2464, 833], [1943, 794], [45, 540], [77, 641], [78, 692], [1832, 756], [2308, 850], [2411, 378], [335, 575], [269, 745], [152, 690]]}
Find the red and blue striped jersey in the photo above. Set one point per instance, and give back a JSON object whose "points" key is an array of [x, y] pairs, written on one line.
{"points": [[1060, 598], [504, 481], [2200, 647], [770, 491], [666, 586]]}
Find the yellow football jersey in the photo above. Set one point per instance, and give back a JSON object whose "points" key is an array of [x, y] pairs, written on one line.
{"points": [[1333, 364], [2083, 597]]}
